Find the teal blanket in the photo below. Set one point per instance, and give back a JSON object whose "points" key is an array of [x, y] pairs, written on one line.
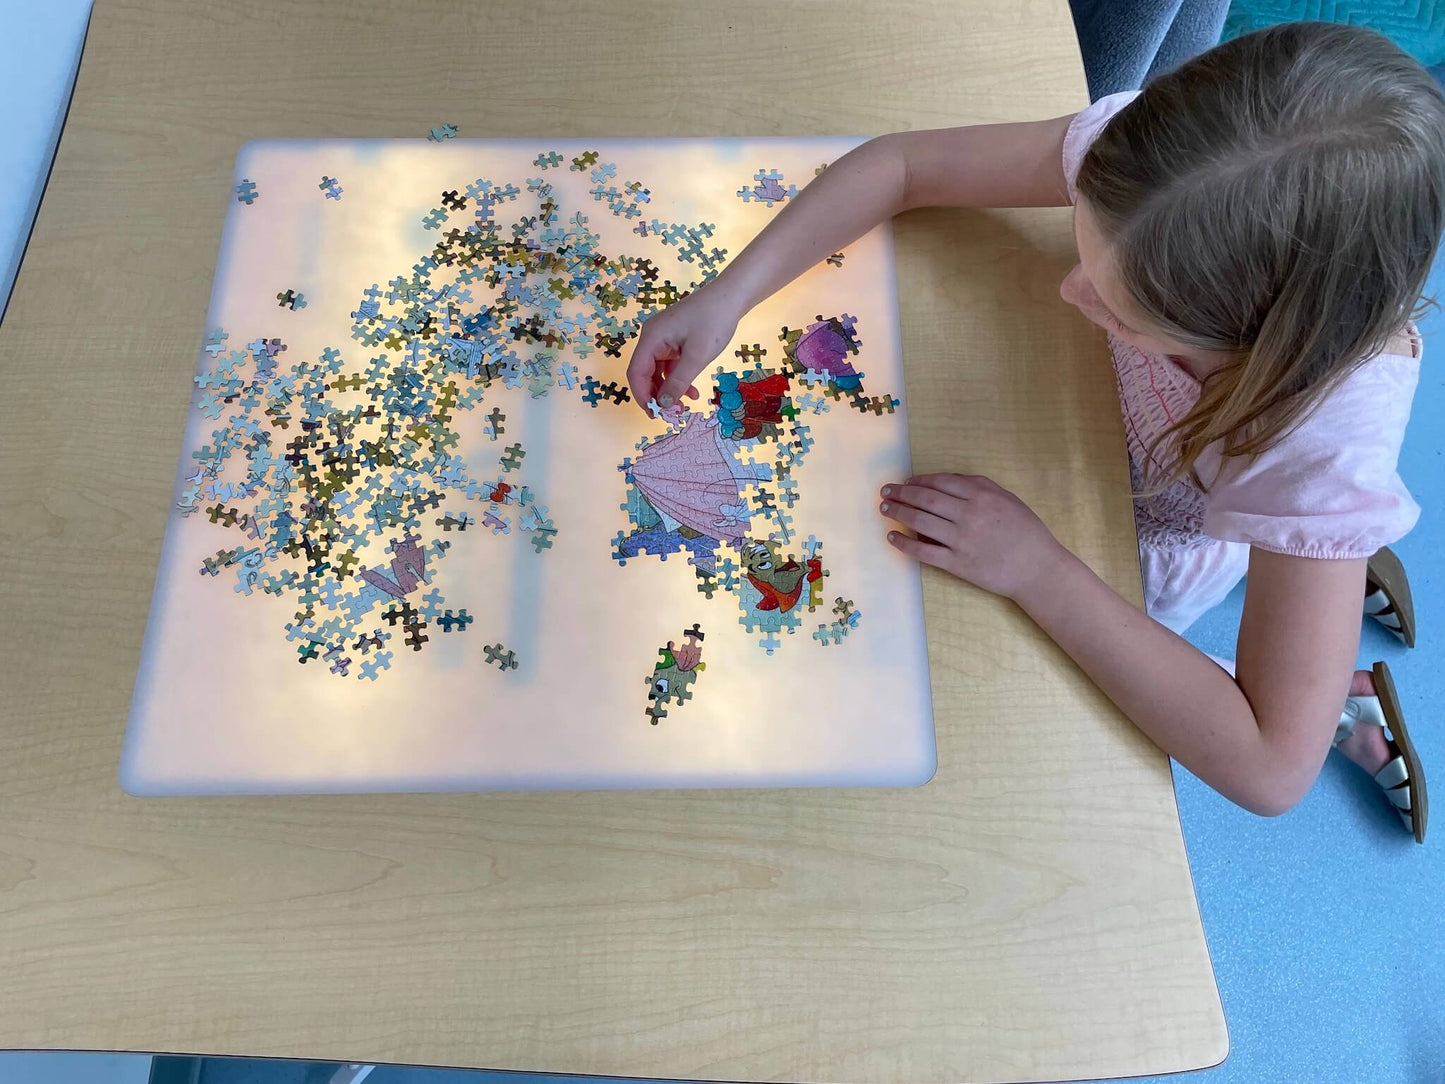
{"points": [[1417, 26]]}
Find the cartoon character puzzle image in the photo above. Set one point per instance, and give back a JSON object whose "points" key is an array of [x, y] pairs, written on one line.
{"points": [[701, 489], [674, 672], [779, 582]]}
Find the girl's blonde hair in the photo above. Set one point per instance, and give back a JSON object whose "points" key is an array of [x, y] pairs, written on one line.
{"points": [[1277, 200]]}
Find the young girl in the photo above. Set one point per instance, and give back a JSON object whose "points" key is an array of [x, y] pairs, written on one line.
{"points": [[1254, 231]]}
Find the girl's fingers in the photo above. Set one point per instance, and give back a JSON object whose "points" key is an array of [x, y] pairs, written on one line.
{"points": [[924, 523], [955, 485], [940, 504], [927, 552], [650, 359], [664, 373], [680, 372]]}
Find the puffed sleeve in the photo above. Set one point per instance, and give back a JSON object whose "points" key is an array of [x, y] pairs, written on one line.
{"points": [[1085, 128], [1331, 488]]}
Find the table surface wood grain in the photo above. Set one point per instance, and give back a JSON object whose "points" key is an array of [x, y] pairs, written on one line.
{"points": [[1027, 915]]}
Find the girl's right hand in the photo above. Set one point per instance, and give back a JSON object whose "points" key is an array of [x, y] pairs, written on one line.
{"points": [[677, 343]]}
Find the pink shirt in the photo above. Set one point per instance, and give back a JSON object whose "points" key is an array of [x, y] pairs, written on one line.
{"points": [[1328, 489]]}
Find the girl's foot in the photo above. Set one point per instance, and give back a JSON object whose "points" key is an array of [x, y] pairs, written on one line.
{"points": [[1364, 744], [1372, 706]]}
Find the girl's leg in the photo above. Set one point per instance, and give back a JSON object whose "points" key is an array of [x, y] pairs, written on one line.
{"points": [[1360, 737], [1365, 745]]}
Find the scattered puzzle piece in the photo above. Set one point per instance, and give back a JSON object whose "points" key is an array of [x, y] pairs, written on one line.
{"points": [[501, 657], [458, 621], [380, 661], [494, 423]]}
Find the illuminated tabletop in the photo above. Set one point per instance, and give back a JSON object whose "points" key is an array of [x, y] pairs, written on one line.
{"points": [[1027, 915]]}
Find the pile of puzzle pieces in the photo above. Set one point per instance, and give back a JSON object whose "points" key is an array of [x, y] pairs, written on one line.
{"points": [[318, 464], [342, 479]]}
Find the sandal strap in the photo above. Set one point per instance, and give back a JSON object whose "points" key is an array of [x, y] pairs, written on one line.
{"points": [[1359, 709], [1394, 775], [1379, 606], [1377, 602]]}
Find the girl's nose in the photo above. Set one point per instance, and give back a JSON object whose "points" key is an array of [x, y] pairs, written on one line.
{"points": [[1077, 290]]}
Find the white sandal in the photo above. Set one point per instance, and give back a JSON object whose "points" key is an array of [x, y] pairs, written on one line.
{"points": [[1402, 778], [1387, 595]]}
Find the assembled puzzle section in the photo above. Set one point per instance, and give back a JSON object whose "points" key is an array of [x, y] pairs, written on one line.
{"points": [[353, 455], [722, 486]]}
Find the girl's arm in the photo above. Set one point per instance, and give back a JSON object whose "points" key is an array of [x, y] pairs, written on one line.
{"points": [[1259, 739], [987, 165], [983, 165]]}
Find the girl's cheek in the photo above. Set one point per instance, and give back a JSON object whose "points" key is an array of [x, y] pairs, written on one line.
{"points": [[1078, 291]]}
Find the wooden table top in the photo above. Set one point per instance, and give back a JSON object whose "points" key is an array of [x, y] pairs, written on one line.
{"points": [[1028, 915]]}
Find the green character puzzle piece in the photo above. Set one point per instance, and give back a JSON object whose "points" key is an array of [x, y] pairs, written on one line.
{"points": [[674, 672]]}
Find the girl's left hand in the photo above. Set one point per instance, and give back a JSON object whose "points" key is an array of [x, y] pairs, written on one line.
{"points": [[974, 528]]}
